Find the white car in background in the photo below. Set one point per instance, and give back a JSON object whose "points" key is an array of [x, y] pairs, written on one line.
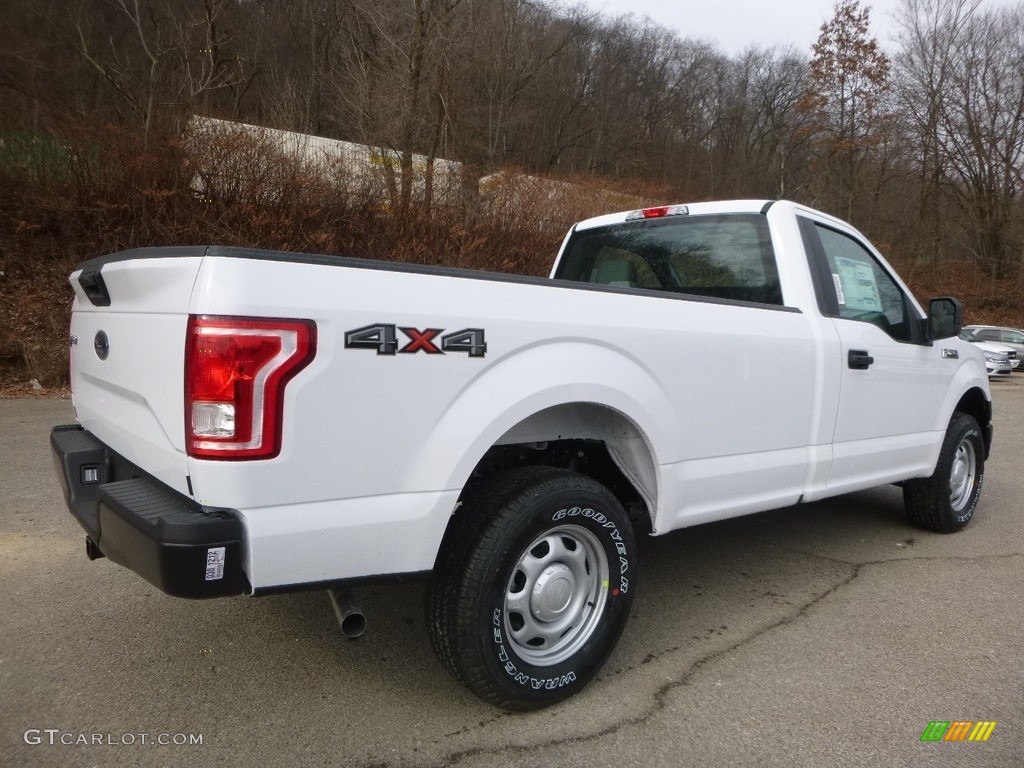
{"points": [[999, 360]]}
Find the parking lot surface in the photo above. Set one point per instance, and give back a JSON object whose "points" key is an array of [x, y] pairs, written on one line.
{"points": [[829, 634]]}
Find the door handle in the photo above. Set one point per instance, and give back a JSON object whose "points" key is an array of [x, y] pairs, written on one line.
{"points": [[859, 359]]}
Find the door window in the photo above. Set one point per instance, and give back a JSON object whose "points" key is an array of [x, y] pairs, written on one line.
{"points": [[864, 291]]}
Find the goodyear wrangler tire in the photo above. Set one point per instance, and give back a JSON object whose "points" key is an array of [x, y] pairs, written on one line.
{"points": [[533, 587], [946, 501]]}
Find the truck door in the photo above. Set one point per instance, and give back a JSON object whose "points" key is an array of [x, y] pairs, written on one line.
{"points": [[891, 381]]}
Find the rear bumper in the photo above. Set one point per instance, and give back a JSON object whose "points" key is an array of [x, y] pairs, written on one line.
{"points": [[138, 522]]}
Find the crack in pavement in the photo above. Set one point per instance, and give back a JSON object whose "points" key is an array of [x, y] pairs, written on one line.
{"points": [[660, 695], [881, 561]]}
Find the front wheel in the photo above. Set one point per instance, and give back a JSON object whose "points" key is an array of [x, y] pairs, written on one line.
{"points": [[533, 587], [946, 501]]}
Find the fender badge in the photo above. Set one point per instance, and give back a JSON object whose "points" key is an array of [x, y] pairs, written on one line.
{"points": [[950, 354], [102, 345]]}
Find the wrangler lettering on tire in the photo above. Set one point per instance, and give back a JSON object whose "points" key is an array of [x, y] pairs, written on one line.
{"points": [[532, 587]]}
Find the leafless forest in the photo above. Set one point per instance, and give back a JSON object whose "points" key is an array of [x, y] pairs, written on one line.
{"points": [[921, 146]]}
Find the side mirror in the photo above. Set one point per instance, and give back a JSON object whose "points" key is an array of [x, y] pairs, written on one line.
{"points": [[945, 318]]}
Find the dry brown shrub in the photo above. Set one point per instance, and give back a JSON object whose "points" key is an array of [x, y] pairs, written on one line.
{"points": [[108, 188]]}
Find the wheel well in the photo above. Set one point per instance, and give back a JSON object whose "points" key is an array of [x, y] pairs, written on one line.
{"points": [[587, 457], [581, 437], [974, 403]]}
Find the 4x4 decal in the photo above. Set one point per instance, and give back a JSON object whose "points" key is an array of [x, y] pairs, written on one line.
{"points": [[383, 339]]}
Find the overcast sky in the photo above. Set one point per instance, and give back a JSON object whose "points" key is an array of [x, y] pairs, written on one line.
{"points": [[737, 24]]}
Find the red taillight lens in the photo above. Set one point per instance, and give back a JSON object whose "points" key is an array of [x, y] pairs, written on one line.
{"points": [[236, 369], [657, 212]]}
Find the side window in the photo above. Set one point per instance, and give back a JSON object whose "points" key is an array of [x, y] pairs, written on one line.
{"points": [[864, 290], [988, 334], [1013, 337]]}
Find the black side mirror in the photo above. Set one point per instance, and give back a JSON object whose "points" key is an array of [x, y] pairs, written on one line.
{"points": [[945, 318]]}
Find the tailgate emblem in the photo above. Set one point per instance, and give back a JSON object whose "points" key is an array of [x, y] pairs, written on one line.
{"points": [[102, 345]]}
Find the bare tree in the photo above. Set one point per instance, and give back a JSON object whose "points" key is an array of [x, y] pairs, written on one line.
{"points": [[962, 84], [758, 142], [158, 53], [924, 64]]}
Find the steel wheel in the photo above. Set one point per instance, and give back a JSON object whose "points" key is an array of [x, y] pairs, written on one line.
{"points": [[962, 475], [555, 595]]}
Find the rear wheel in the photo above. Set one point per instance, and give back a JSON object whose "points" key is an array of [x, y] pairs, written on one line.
{"points": [[533, 587], [946, 501]]}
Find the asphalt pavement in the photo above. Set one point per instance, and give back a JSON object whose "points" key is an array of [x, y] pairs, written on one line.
{"points": [[829, 634]]}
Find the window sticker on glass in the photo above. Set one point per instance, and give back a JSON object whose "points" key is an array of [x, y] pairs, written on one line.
{"points": [[859, 287], [840, 296]]}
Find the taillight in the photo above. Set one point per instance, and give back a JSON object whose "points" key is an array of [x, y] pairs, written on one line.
{"points": [[236, 369]]}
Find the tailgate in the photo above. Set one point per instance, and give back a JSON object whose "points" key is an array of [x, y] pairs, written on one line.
{"points": [[128, 355]]}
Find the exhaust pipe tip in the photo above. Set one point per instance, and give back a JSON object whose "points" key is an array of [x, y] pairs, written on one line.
{"points": [[349, 613], [353, 625]]}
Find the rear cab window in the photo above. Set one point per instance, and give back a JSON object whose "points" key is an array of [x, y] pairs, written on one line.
{"points": [[726, 257]]}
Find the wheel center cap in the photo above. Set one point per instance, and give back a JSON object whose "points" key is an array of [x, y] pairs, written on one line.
{"points": [[552, 593], [959, 474]]}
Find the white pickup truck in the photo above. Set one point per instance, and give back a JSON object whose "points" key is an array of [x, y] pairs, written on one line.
{"points": [[254, 421]]}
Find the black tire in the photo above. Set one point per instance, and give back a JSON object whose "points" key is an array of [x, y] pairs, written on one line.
{"points": [[946, 501], [532, 587]]}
